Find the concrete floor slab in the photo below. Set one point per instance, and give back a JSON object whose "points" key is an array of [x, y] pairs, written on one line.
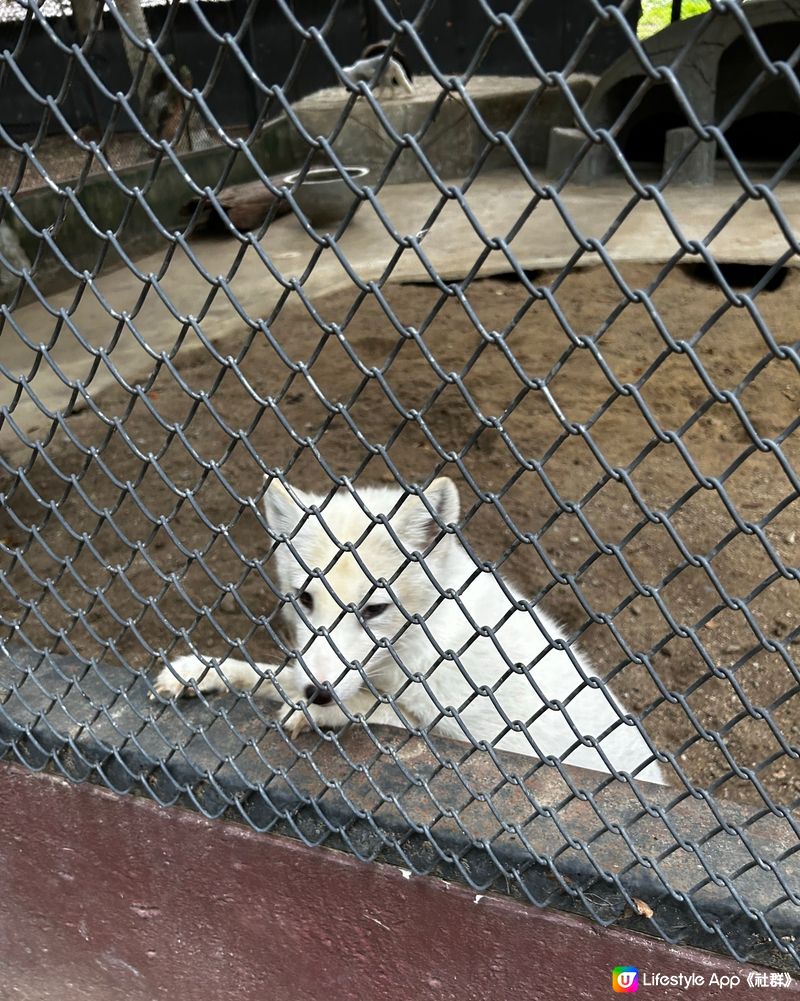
{"points": [[122, 321]]}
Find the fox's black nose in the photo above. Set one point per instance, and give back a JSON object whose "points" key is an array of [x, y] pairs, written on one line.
{"points": [[315, 695]]}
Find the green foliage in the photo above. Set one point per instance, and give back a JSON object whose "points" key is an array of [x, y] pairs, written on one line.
{"points": [[657, 14]]}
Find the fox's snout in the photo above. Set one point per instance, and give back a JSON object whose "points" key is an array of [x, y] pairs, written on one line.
{"points": [[317, 695], [325, 667]]}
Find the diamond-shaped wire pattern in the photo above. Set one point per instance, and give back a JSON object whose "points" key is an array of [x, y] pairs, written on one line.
{"points": [[291, 466]]}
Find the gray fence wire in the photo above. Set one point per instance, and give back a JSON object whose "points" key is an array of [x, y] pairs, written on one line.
{"points": [[241, 516]]}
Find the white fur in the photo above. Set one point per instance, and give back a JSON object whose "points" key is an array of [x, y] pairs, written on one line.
{"points": [[424, 669], [393, 77]]}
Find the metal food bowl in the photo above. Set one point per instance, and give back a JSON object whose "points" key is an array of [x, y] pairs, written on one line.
{"points": [[323, 194]]}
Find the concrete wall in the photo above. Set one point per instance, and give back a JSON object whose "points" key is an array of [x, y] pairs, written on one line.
{"points": [[449, 131], [450, 135], [714, 65], [78, 222]]}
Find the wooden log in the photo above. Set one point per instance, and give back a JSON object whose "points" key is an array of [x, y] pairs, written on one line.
{"points": [[246, 205]]}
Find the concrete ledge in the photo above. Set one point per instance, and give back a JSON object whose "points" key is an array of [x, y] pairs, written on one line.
{"points": [[565, 144], [538, 831], [452, 248], [452, 144], [454, 139], [165, 190]]}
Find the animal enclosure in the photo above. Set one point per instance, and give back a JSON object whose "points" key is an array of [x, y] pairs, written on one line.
{"points": [[571, 292]]}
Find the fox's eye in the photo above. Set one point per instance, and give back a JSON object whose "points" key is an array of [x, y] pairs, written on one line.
{"points": [[306, 600], [374, 610]]}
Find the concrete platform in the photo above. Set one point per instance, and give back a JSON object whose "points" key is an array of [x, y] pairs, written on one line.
{"points": [[450, 130], [119, 303]]}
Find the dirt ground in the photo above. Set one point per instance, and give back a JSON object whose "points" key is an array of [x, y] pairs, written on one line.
{"points": [[126, 556]]}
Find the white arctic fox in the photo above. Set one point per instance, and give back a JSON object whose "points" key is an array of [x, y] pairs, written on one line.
{"points": [[441, 636]]}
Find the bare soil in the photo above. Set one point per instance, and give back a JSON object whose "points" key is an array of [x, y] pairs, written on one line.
{"points": [[669, 511]]}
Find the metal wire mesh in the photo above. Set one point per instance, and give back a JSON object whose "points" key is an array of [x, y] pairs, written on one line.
{"points": [[213, 458]]}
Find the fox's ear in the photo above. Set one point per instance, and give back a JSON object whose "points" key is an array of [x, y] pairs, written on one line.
{"points": [[416, 523], [282, 511], [442, 495]]}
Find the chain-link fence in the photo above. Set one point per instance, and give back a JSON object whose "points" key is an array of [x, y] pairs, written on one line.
{"points": [[437, 432]]}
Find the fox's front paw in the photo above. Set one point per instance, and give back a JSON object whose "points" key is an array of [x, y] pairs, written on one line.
{"points": [[297, 724], [174, 681], [315, 718]]}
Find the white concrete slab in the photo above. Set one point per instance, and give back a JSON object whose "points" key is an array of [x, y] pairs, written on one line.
{"points": [[124, 322]]}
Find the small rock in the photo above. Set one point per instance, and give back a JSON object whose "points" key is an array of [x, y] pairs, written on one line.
{"points": [[642, 907], [228, 603]]}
